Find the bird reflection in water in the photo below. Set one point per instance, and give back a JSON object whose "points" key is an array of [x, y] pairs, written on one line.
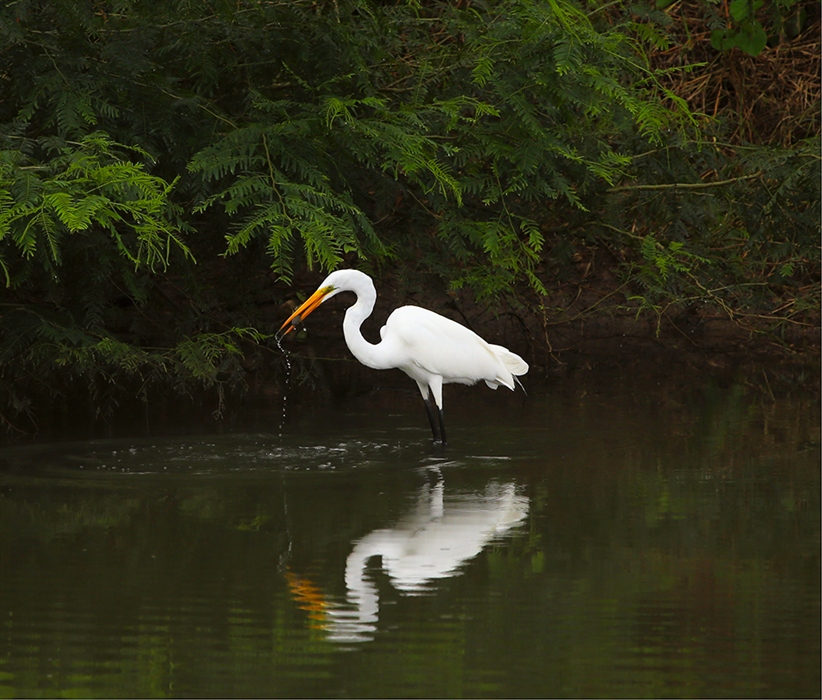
{"points": [[430, 542]]}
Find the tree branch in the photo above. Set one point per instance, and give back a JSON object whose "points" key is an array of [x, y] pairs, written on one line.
{"points": [[684, 185]]}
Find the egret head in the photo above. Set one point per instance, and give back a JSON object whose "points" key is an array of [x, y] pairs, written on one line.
{"points": [[307, 307], [339, 281]]}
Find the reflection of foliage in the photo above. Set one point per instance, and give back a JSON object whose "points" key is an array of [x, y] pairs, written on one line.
{"points": [[685, 550], [255, 523], [53, 519]]}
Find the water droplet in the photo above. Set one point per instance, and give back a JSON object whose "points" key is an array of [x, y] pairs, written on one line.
{"points": [[287, 383]]}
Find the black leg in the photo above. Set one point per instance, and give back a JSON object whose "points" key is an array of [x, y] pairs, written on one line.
{"points": [[429, 409], [442, 429]]}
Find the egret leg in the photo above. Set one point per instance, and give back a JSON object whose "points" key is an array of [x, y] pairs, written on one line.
{"points": [[435, 385], [432, 395], [442, 429], [432, 419]]}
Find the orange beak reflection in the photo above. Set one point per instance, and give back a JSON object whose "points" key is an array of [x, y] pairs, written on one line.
{"points": [[304, 310]]}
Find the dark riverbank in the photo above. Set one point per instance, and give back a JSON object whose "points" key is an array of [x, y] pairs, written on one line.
{"points": [[588, 339]]}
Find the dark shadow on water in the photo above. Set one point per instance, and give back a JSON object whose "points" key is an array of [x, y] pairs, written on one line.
{"points": [[614, 540]]}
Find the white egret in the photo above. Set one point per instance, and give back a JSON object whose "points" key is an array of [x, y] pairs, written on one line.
{"points": [[429, 348]]}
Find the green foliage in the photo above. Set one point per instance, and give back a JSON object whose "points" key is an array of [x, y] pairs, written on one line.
{"points": [[468, 137], [662, 260], [87, 189], [206, 355], [278, 188], [54, 355], [473, 141], [749, 25], [746, 246], [751, 22], [315, 111], [746, 34]]}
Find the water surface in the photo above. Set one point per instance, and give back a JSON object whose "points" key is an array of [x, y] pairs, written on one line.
{"points": [[624, 542]]}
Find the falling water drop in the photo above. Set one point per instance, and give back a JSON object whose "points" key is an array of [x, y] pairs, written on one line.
{"points": [[287, 382]]}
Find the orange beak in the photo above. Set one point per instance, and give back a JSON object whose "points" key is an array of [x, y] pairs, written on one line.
{"points": [[306, 308]]}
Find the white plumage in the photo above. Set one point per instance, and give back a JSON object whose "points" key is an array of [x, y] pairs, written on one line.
{"points": [[429, 348]]}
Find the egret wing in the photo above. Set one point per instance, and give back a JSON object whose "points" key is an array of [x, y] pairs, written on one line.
{"points": [[444, 347]]}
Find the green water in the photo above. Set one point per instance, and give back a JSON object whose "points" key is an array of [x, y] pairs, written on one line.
{"points": [[624, 542]]}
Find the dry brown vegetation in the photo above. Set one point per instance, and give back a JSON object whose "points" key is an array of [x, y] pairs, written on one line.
{"points": [[769, 99]]}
